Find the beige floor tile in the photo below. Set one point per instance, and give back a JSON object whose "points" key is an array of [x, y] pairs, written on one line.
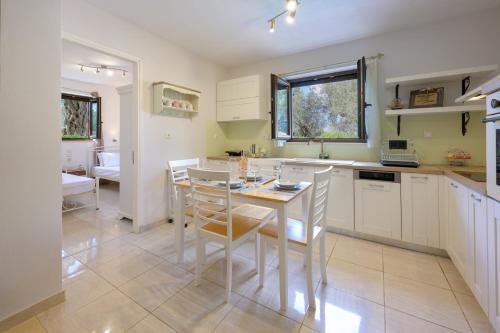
{"points": [[126, 267], [305, 329], [58, 322], [398, 322], [355, 279], [415, 266], [71, 265], [29, 326], [196, 309], [247, 250], [337, 311], [213, 253], [359, 252], [248, 316], [80, 235], [153, 287], [475, 315], [113, 312], [454, 278], [151, 324], [431, 303], [106, 252]]}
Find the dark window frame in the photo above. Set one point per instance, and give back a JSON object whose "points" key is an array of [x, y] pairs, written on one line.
{"points": [[359, 74], [90, 100]]}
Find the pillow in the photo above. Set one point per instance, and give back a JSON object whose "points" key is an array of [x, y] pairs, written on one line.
{"points": [[109, 159]]}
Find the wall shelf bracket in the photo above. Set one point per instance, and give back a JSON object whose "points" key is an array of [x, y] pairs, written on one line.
{"points": [[399, 125], [465, 115]]}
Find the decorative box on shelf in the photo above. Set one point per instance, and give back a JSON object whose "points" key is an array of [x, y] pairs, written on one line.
{"points": [[174, 100]]}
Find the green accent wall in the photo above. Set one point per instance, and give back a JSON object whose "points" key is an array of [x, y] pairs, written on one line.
{"points": [[445, 130]]}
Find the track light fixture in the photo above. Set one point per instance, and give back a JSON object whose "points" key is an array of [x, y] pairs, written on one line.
{"points": [[290, 11], [110, 71]]}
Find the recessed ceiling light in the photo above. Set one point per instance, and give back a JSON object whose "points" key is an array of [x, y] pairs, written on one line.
{"points": [[290, 18]]}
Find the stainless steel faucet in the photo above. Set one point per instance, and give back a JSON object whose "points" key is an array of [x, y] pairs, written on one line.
{"points": [[323, 155]]}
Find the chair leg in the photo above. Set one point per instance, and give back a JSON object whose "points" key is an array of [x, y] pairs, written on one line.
{"points": [[204, 251], [199, 254], [257, 250], [262, 259], [322, 258], [229, 272], [309, 277]]}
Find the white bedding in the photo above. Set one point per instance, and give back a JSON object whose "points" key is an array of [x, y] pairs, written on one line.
{"points": [[107, 172], [72, 184]]}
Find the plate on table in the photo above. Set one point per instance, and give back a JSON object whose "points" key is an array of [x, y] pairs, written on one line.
{"points": [[233, 184], [286, 185]]}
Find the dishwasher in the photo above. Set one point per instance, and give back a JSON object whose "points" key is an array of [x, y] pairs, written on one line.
{"points": [[377, 204]]}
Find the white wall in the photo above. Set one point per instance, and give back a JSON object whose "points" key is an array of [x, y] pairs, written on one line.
{"points": [[74, 152], [30, 146], [459, 42], [162, 61]]}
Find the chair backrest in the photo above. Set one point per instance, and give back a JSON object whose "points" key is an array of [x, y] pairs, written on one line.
{"points": [[211, 189], [319, 201], [178, 168]]}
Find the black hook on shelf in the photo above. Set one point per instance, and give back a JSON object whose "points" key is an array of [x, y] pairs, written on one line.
{"points": [[465, 115]]}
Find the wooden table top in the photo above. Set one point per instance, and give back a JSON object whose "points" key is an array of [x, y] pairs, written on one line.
{"points": [[264, 191]]}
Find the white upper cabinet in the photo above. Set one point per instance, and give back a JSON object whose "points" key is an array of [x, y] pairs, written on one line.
{"points": [[458, 207], [477, 261], [340, 213], [241, 99], [420, 209]]}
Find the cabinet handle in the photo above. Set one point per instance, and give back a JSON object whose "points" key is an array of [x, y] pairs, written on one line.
{"points": [[475, 198], [376, 185], [235, 117], [419, 177], [453, 185], [335, 171]]}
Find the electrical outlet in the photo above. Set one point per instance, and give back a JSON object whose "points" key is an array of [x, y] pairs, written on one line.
{"points": [[167, 136], [427, 134]]}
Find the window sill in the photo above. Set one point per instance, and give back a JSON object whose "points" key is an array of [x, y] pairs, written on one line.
{"points": [[307, 143]]}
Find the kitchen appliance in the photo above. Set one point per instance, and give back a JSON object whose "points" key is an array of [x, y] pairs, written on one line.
{"points": [[492, 121], [399, 153], [234, 153]]}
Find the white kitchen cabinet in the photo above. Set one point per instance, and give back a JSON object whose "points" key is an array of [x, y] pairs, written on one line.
{"points": [[458, 207], [241, 99], [377, 208], [297, 173], [493, 227], [223, 165], [340, 213], [420, 209], [477, 260], [265, 166]]}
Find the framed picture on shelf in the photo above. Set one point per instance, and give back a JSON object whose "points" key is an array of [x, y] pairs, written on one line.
{"points": [[426, 98]]}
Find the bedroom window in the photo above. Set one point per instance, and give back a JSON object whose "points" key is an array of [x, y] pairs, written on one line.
{"points": [[80, 117], [327, 106]]}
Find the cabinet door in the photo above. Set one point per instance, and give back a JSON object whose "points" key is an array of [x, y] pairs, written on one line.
{"points": [[221, 165], [239, 88], [378, 208], [299, 174], [340, 213], [477, 260], [458, 207], [239, 109], [420, 209], [494, 262]]}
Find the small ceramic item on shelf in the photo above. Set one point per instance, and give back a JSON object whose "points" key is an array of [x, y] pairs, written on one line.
{"points": [[181, 104], [167, 102], [175, 103], [188, 106]]}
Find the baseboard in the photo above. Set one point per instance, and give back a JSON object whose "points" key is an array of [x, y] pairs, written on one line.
{"points": [[391, 242], [150, 226], [32, 311]]}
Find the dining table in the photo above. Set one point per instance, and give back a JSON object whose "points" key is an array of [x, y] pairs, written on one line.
{"points": [[261, 194]]}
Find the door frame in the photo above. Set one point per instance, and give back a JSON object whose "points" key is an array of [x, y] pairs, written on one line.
{"points": [[137, 120]]}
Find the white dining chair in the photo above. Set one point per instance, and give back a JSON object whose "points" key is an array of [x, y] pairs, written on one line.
{"points": [[303, 235], [225, 225]]}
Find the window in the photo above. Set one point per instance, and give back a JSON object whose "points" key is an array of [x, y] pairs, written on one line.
{"points": [[327, 107], [80, 117]]}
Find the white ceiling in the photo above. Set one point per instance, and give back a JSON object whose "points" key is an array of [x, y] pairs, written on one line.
{"points": [[74, 54], [234, 32]]}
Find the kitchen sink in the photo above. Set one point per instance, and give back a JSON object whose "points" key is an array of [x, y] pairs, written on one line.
{"points": [[475, 176]]}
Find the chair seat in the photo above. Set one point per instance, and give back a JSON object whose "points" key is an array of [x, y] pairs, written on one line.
{"points": [[297, 231], [189, 210], [245, 218]]}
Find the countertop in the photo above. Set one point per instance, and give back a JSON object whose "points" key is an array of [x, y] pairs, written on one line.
{"points": [[358, 165]]}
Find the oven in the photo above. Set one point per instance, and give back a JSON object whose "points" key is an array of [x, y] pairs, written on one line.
{"points": [[492, 121]]}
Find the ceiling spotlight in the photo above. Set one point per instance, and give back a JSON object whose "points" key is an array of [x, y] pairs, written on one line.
{"points": [[109, 72], [97, 70], [124, 73], [272, 25], [290, 18], [82, 69], [291, 5]]}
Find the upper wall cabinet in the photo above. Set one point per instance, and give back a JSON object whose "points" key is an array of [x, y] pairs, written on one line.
{"points": [[241, 99]]}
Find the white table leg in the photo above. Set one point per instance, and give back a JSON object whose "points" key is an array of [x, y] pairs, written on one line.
{"points": [[283, 255], [97, 198], [179, 225]]}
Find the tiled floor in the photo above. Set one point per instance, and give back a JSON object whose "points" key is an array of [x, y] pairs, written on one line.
{"points": [[117, 281]]}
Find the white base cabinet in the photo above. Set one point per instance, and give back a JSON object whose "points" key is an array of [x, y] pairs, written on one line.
{"points": [[420, 209], [340, 212], [378, 208], [457, 213], [297, 173], [493, 226]]}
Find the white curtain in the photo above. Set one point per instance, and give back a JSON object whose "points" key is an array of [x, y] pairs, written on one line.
{"points": [[372, 114]]}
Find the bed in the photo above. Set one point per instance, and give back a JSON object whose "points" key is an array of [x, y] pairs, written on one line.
{"points": [[73, 186], [108, 167]]}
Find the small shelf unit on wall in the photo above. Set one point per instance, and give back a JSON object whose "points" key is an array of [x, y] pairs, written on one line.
{"points": [[450, 77], [174, 100]]}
